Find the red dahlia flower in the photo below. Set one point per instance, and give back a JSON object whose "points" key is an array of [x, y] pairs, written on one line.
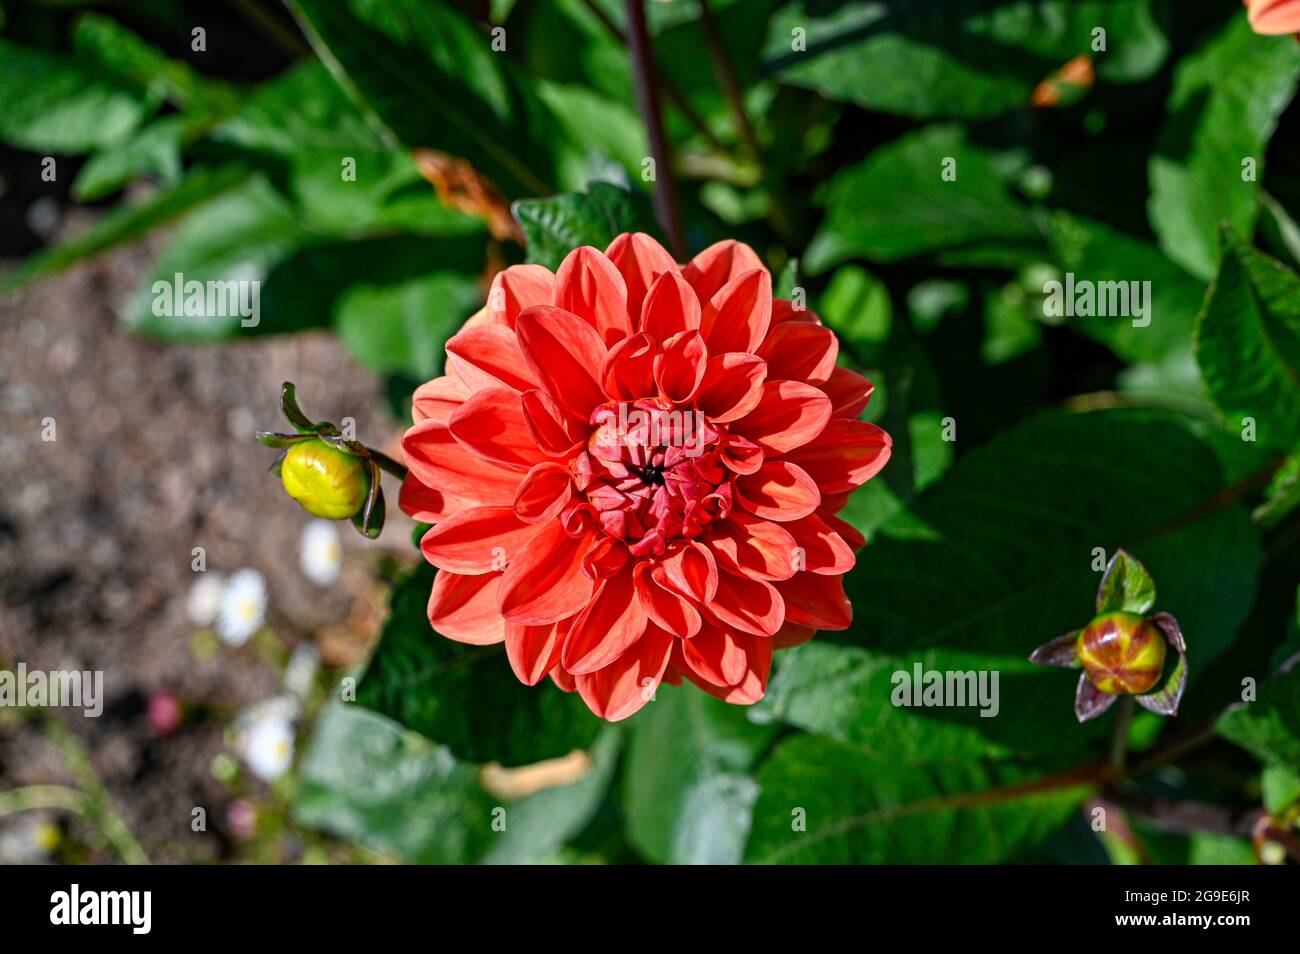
{"points": [[633, 470]]}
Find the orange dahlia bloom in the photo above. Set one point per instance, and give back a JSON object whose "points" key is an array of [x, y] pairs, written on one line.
{"points": [[1274, 17], [633, 470]]}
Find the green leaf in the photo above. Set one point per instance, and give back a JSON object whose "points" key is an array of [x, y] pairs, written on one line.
{"points": [[367, 779], [995, 559], [1269, 727], [466, 697], [1097, 253], [824, 802], [956, 58], [556, 226], [58, 104], [1248, 344], [429, 79], [1281, 787], [154, 151], [1126, 586], [127, 223], [1282, 496], [896, 203], [688, 788], [1223, 108]]}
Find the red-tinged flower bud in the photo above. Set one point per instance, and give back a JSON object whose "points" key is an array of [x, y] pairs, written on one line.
{"points": [[326, 481], [1122, 653], [164, 711]]}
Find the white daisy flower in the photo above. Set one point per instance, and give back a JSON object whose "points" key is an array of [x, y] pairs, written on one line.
{"points": [[204, 602], [320, 552], [264, 737], [243, 607]]}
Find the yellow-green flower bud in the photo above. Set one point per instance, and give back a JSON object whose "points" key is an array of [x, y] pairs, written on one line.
{"points": [[326, 481], [1123, 653]]}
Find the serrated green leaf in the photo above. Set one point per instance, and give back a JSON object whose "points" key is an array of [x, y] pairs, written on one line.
{"points": [[429, 79], [995, 559], [556, 226], [688, 785], [897, 203], [1268, 727], [956, 58], [824, 802], [63, 105], [1225, 103], [1248, 344], [466, 697]]}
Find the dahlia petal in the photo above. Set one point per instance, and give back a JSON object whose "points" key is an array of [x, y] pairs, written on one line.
{"points": [[812, 599], [640, 260], [606, 627], [624, 686], [543, 493], [670, 308], [628, 372], [749, 605], [516, 288], [588, 285], [553, 429], [716, 656], [605, 558], [1273, 17], [491, 425], [789, 415], [679, 368], [783, 310], [533, 651], [693, 572], [800, 351], [562, 679], [758, 665], [478, 540], [787, 637], [850, 534], [423, 503], [565, 355], [823, 550], [741, 455], [737, 317], [436, 459], [463, 608], [544, 582], [750, 546], [845, 455], [438, 399], [732, 386], [717, 265], [849, 392], [489, 356], [666, 607], [779, 490]]}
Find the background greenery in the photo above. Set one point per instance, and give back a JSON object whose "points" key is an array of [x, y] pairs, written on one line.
{"points": [[1071, 434]]}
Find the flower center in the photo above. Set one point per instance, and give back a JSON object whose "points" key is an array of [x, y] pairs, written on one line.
{"points": [[653, 473]]}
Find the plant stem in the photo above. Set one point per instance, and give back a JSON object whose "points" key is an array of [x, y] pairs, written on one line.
{"points": [[647, 97], [670, 92], [1119, 739]]}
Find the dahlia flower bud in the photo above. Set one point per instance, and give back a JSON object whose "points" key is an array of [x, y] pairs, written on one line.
{"points": [[633, 470], [330, 475], [326, 481], [1122, 651]]}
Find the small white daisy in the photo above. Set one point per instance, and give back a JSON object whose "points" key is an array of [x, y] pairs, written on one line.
{"points": [[204, 602], [243, 607], [264, 737], [320, 552]]}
